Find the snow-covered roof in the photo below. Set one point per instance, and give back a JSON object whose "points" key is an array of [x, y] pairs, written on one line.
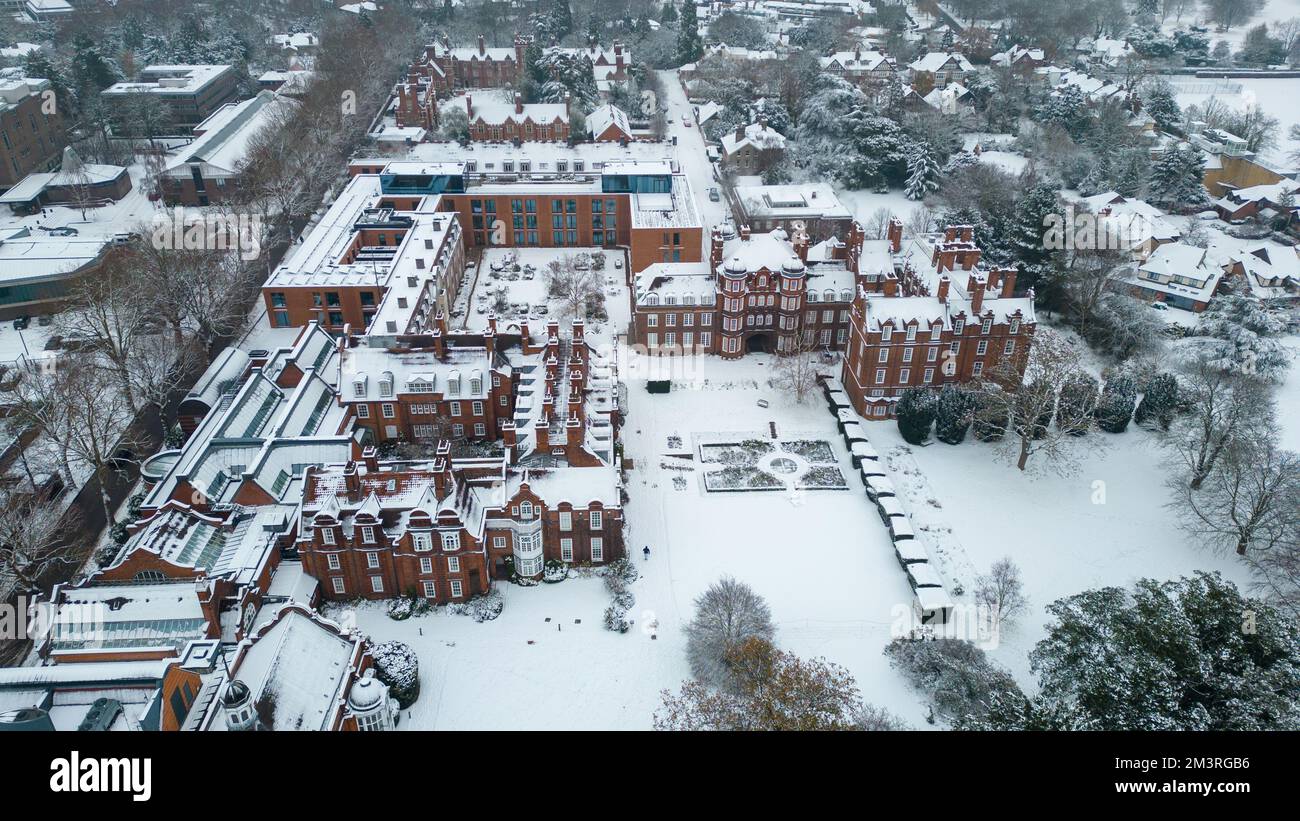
{"points": [[814, 199], [936, 60], [758, 135], [605, 116], [227, 135]]}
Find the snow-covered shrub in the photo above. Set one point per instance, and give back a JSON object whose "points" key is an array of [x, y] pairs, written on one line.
{"points": [[1077, 404], [556, 571], [1158, 403], [1115, 408], [481, 608], [403, 607], [616, 619], [397, 665], [953, 413], [623, 570], [915, 412]]}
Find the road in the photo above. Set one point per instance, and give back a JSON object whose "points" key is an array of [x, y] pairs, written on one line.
{"points": [[692, 155]]}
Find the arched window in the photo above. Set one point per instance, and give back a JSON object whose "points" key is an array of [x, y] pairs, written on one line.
{"points": [[652, 299], [148, 577]]}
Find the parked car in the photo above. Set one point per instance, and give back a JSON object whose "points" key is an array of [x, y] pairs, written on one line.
{"points": [[686, 120], [44, 320], [63, 232], [714, 196], [1160, 306], [21, 323]]}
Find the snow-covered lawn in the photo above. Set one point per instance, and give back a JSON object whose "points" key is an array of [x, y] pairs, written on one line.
{"points": [[864, 203], [820, 558], [1276, 96], [1106, 525]]}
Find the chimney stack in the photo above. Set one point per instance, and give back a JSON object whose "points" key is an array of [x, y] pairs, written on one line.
{"points": [[895, 234], [976, 289], [370, 457], [542, 435], [482, 45], [351, 482], [510, 437], [970, 258], [744, 233], [942, 293], [1008, 282], [469, 106]]}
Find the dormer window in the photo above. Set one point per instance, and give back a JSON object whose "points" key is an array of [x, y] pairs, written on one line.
{"points": [[1015, 326], [986, 326], [911, 333], [476, 385], [360, 387], [935, 332], [368, 535], [886, 331], [958, 325]]}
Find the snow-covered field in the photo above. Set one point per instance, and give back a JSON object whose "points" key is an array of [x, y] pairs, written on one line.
{"points": [[820, 558], [1276, 96]]}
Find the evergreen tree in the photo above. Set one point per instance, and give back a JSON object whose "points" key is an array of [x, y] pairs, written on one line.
{"points": [[1176, 178], [1159, 402], [37, 64], [1027, 233], [1077, 405], [922, 172], [1160, 103], [690, 47], [986, 426], [953, 414], [669, 14], [1190, 654], [915, 412], [1115, 408]]}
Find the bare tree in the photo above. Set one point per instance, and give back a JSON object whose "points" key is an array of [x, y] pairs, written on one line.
{"points": [[1016, 401], [1221, 407], [774, 690], [1001, 592], [726, 615], [795, 372], [1087, 276], [108, 311], [578, 287], [158, 370], [35, 399], [33, 540], [77, 179], [1249, 501], [98, 424]]}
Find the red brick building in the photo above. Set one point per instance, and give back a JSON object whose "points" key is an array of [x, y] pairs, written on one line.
{"points": [[444, 530], [428, 388], [31, 128], [935, 317], [495, 118], [760, 292]]}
